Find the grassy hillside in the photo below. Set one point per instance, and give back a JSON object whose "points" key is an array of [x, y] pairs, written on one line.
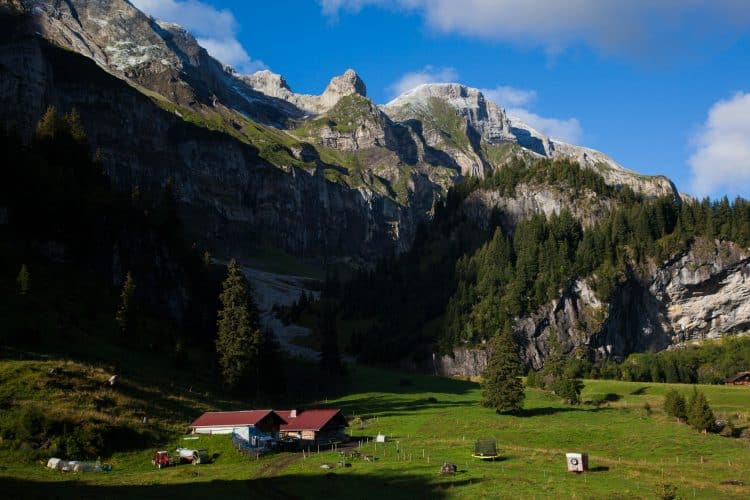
{"points": [[429, 421]]}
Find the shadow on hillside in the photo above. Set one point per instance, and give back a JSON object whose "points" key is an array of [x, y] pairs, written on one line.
{"points": [[640, 391], [395, 382], [329, 485], [553, 410], [383, 406]]}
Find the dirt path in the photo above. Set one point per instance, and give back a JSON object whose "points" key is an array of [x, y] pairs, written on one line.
{"points": [[262, 481], [277, 464]]}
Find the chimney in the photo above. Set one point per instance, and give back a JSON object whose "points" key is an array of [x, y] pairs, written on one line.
{"points": [[293, 414]]}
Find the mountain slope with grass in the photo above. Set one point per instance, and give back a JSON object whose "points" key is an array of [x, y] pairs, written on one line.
{"points": [[634, 450]]}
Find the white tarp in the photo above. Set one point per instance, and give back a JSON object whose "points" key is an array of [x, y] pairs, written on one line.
{"points": [[54, 463]]}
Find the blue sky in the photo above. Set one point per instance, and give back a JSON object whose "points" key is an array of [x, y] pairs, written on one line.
{"points": [[662, 89]]}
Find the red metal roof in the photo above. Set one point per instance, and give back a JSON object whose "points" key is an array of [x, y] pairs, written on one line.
{"points": [[227, 418], [307, 420]]}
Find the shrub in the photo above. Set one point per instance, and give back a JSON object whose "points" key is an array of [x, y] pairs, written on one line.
{"points": [[569, 389], [666, 491]]}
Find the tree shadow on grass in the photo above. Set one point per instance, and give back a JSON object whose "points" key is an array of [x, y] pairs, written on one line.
{"points": [[640, 391], [329, 485], [553, 410], [384, 406]]}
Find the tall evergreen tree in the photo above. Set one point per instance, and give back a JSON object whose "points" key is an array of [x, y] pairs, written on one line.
{"points": [[699, 413], [23, 280], [502, 387], [674, 405], [125, 315], [239, 337]]}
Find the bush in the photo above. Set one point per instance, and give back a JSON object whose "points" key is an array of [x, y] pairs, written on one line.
{"points": [[666, 491], [569, 389]]}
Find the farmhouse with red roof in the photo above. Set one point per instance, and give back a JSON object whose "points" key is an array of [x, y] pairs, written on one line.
{"points": [[224, 422], [313, 425]]}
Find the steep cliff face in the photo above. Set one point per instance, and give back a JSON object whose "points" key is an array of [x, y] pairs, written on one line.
{"points": [[233, 198], [701, 293], [159, 56], [324, 177], [529, 199]]}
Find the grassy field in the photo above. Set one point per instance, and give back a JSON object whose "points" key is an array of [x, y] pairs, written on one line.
{"points": [[431, 420]]}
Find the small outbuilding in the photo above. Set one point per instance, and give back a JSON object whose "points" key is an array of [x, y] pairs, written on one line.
{"points": [[577, 462], [741, 378], [318, 425], [224, 422]]}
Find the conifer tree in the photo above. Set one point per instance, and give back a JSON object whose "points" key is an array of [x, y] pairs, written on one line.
{"points": [[125, 315], [74, 125], [23, 280], [239, 337], [48, 124], [675, 406], [699, 413], [502, 387]]}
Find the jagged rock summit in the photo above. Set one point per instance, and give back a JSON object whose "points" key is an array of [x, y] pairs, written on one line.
{"points": [[485, 116], [492, 124], [274, 85]]}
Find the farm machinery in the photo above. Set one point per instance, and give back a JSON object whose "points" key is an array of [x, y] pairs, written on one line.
{"points": [[162, 459], [193, 456], [184, 456]]}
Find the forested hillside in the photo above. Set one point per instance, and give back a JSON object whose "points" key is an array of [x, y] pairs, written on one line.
{"points": [[461, 283]]}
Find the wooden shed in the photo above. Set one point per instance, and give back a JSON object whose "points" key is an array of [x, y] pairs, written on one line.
{"points": [[320, 425], [224, 422], [741, 378]]}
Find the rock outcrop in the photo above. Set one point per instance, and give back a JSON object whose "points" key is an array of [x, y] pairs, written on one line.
{"points": [[274, 85], [528, 200], [700, 294]]}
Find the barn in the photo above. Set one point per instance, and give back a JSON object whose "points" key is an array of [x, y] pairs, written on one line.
{"points": [[320, 425], [224, 422], [741, 378]]}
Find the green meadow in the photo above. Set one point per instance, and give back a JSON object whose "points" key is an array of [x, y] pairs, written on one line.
{"points": [[633, 450]]}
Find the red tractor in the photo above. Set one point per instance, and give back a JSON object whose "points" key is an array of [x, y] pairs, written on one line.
{"points": [[162, 459]]}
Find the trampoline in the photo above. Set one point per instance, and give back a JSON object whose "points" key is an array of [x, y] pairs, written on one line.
{"points": [[485, 449]]}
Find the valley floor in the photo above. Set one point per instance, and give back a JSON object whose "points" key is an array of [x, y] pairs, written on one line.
{"points": [[429, 421]]}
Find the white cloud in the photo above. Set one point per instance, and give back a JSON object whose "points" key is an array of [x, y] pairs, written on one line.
{"points": [[215, 29], [509, 96], [567, 130], [230, 51], [635, 27], [721, 161], [428, 74]]}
